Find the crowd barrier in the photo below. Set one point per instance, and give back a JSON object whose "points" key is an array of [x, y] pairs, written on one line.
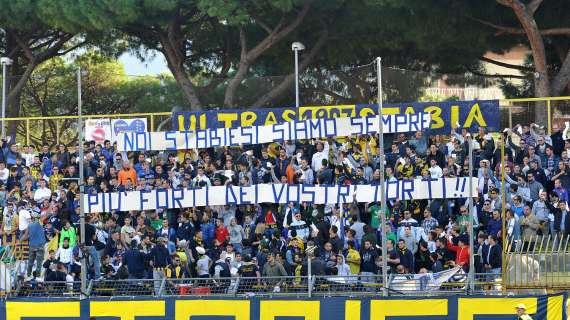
{"points": [[290, 286], [547, 307]]}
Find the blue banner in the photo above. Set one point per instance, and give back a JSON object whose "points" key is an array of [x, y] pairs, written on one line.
{"points": [[444, 115], [551, 307]]}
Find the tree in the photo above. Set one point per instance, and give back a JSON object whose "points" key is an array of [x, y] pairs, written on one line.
{"points": [[106, 89], [548, 81], [29, 42], [540, 26], [198, 38]]}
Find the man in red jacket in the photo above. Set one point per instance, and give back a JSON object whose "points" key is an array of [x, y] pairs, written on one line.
{"points": [[461, 251]]}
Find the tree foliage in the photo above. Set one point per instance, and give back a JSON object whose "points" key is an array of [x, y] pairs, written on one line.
{"points": [[106, 89]]}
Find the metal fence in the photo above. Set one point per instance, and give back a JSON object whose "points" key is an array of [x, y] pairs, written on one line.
{"points": [[539, 263], [293, 286]]}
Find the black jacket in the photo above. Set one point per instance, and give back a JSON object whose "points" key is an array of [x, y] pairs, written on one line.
{"points": [[493, 258], [558, 220]]}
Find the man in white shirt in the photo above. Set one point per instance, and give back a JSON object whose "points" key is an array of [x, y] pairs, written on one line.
{"points": [[434, 170], [201, 180], [28, 155], [299, 225], [322, 153], [43, 192], [24, 219], [4, 173]]}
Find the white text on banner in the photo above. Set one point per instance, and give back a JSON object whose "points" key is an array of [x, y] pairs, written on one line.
{"points": [[293, 130], [418, 188]]}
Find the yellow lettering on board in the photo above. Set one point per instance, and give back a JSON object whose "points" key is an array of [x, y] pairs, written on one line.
{"points": [[270, 119], [436, 120], [391, 110], [365, 112], [302, 110], [380, 309], [410, 110], [19, 310], [127, 310], [248, 118], [203, 121], [289, 115], [475, 114], [227, 119], [555, 307], [185, 309], [269, 310], [467, 308], [454, 116], [352, 310], [192, 122], [181, 126], [344, 111]]}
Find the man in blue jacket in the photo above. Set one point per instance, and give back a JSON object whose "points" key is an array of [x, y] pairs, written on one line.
{"points": [[134, 260], [37, 239]]}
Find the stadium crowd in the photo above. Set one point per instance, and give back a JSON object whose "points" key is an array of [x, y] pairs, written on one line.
{"points": [[40, 199]]}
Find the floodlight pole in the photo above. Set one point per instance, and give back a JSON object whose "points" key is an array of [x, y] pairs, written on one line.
{"points": [[382, 182], [81, 187]]}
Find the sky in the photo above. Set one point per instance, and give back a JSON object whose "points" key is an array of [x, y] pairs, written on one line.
{"points": [[133, 66]]}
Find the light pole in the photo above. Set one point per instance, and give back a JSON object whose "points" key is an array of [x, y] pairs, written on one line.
{"points": [[296, 47], [5, 61], [81, 186], [471, 274], [382, 185]]}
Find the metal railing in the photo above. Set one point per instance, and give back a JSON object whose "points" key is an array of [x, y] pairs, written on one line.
{"points": [[539, 262], [49, 289], [292, 286]]}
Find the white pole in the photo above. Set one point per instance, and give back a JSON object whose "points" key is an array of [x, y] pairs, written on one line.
{"points": [[4, 89], [471, 219], [81, 186], [296, 77], [382, 186]]}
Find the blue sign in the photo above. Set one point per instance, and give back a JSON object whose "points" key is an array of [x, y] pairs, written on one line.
{"points": [[444, 115]]}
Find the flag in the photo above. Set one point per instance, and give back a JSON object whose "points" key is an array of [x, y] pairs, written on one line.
{"points": [[423, 281]]}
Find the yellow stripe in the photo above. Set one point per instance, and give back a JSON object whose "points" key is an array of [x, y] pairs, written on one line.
{"points": [[19, 310], [381, 309], [352, 310], [127, 310], [554, 308]]}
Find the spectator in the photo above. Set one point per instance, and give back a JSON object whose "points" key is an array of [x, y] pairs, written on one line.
{"points": [[406, 257], [176, 270], [353, 259], [36, 236], [493, 259], [462, 252], [368, 257], [127, 174], [68, 232], [65, 253], [273, 269], [134, 259]]}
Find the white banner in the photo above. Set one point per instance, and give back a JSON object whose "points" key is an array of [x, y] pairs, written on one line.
{"points": [[277, 193], [293, 130], [422, 281], [127, 125], [98, 130]]}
